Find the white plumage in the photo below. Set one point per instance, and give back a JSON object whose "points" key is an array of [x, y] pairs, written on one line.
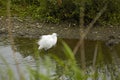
{"points": [[47, 41]]}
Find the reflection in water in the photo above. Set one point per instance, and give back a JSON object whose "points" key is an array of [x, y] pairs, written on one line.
{"points": [[105, 59], [7, 62], [27, 47], [95, 54]]}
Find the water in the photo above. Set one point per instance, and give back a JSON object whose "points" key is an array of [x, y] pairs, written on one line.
{"points": [[107, 59]]}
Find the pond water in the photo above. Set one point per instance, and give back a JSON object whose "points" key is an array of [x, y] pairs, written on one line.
{"points": [[107, 59]]}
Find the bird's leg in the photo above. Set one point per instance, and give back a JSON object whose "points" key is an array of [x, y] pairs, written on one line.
{"points": [[46, 51]]}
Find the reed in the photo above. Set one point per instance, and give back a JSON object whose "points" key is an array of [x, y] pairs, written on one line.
{"points": [[68, 68]]}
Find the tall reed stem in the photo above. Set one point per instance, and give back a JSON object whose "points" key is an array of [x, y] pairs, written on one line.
{"points": [[9, 27]]}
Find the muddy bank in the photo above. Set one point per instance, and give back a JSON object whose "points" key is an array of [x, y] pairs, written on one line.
{"points": [[34, 29]]}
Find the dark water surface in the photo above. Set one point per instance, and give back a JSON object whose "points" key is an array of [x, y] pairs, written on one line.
{"points": [[107, 57], [106, 54]]}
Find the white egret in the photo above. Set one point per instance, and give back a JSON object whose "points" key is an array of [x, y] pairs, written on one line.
{"points": [[47, 41]]}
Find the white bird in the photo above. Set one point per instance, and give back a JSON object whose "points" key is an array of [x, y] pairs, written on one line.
{"points": [[47, 41]]}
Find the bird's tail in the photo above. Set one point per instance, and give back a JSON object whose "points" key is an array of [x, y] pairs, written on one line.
{"points": [[39, 47]]}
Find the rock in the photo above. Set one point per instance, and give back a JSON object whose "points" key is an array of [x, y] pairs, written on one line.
{"points": [[29, 58], [113, 32], [111, 26], [111, 41], [13, 31], [1, 17], [20, 20], [119, 37], [21, 34], [39, 26], [17, 27], [52, 27], [95, 32], [2, 29], [65, 28]]}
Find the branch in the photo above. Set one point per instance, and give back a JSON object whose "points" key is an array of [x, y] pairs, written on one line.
{"points": [[88, 28]]}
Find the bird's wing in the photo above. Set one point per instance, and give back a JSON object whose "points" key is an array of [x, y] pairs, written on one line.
{"points": [[45, 36], [46, 39]]}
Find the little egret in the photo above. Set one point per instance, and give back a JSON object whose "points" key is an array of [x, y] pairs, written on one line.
{"points": [[47, 41]]}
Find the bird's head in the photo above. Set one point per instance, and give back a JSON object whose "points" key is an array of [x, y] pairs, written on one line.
{"points": [[54, 34]]}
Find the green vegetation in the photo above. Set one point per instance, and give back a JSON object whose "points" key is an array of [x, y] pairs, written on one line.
{"points": [[56, 11], [67, 10]]}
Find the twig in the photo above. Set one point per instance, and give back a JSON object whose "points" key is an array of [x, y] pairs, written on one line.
{"points": [[9, 27], [88, 29], [95, 54]]}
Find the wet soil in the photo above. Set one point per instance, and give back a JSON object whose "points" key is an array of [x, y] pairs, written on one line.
{"points": [[34, 29]]}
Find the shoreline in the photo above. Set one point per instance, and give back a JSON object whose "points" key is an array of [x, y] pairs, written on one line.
{"points": [[34, 29]]}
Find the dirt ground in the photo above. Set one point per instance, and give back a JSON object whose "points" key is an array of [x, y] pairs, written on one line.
{"points": [[34, 29]]}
